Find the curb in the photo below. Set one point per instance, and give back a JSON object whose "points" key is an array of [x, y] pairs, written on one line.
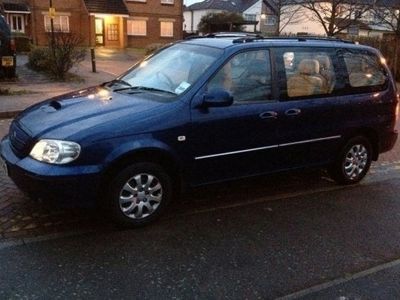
{"points": [[9, 114]]}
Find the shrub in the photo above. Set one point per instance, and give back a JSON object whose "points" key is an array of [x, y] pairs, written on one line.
{"points": [[38, 59], [223, 21], [62, 55], [65, 53]]}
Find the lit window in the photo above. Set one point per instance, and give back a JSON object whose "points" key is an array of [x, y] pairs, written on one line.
{"points": [[167, 29], [61, 23], [112, 32], [137, 27]]}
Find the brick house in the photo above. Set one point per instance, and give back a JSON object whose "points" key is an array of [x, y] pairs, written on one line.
{"points": [[154, 21], [17, 14], [108, 23]]}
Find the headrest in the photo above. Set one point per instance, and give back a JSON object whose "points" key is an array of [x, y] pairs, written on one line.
{"points": [[308, 67], [324, 62]]}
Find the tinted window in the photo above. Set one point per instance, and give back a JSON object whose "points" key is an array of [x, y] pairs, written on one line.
{"points": [[308, 73], [247, 76], [363, 69]]}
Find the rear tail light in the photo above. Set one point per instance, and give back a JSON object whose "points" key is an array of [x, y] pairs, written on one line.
{"points": [[13, 45], [397, 107]]}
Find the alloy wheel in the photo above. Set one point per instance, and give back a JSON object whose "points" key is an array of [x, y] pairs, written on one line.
{"points": [[356, 161], [140, 196]]}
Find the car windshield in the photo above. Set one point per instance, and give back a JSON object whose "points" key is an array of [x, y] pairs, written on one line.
{"points": [[170, 72]]}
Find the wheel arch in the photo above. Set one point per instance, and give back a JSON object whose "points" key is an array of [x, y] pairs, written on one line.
{"points": [[369, 134], [152, 155]]}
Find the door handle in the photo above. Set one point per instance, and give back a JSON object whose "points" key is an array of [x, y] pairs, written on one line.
{"points": [[293, 112], [269, 115]]}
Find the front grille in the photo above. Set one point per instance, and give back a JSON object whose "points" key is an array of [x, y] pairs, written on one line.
{"points": [[20, 140]]}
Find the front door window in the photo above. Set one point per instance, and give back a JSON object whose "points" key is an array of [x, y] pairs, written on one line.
{"points": [[247, 77], [112, 32], [99, 30]]}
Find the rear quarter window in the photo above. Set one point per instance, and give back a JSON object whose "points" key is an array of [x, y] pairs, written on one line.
{"points": [[364, 70]]}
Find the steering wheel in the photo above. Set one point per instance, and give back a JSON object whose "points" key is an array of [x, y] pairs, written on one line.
{"points": [[166, 80]]}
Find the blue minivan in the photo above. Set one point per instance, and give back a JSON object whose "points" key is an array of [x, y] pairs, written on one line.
{"points": [[206, 110]]}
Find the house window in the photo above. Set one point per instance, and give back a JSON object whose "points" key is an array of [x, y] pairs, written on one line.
{"points": [[250, 17], [61, 23], [167, 29], [137, 27], [167, 1], [270, 20], [112, 32], [17, 23]]}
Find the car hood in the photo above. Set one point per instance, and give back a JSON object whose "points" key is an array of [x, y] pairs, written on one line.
{"points": [[68, 115]]}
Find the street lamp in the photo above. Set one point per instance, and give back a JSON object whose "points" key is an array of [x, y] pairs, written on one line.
{"points": [[52, 12]]}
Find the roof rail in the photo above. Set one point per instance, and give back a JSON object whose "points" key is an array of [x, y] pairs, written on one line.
{"points": [[226, 35], [298, 38]]}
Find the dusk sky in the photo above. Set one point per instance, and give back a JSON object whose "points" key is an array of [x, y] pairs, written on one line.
{"points": [[190, 2]]}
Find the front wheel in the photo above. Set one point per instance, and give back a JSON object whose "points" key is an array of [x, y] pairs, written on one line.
{"points": [[139, 194], [353, 161]]}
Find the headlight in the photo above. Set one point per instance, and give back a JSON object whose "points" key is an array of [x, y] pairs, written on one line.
{"points": [[55, 152]]}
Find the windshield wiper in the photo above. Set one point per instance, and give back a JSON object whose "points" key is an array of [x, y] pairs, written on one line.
{"points": [[116, 81], [144, 88]]}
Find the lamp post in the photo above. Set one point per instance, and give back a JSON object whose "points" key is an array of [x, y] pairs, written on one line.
{"points": [[51, 15]]}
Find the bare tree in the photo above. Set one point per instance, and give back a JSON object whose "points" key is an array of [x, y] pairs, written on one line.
{"points": [[387, 14], [335, 16], [286, 14]]}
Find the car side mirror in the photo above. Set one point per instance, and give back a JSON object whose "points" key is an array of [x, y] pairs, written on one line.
{"points": [[217, 98]]}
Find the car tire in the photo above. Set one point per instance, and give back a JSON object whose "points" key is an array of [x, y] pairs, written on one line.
{"points": [[139, 194], [353, 161]]}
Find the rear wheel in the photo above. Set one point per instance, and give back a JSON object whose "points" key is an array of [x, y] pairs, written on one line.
{"points": [[353, 161], [139, 194]]}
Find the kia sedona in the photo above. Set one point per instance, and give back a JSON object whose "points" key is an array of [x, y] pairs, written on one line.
{"points": [[206, 110]]}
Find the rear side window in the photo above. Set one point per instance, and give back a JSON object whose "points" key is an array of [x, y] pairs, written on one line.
{"points": [[364, 70], [308, 73]]}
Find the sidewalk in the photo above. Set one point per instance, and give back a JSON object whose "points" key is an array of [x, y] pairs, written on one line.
{"points": [[33, 87]]}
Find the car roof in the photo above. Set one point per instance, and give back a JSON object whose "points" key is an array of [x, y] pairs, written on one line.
{"points": [[223, 42]]}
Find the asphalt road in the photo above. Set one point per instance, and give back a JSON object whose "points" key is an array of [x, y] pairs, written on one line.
{"points": [[261, 247]]}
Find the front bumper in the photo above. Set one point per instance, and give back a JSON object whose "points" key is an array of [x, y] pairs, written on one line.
{"points": [[66, 185]]}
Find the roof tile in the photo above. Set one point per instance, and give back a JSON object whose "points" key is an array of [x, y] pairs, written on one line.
{"points": [[106, 6]]}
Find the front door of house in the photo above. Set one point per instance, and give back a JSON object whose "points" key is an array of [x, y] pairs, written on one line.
{"points": [[99, 25]]}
